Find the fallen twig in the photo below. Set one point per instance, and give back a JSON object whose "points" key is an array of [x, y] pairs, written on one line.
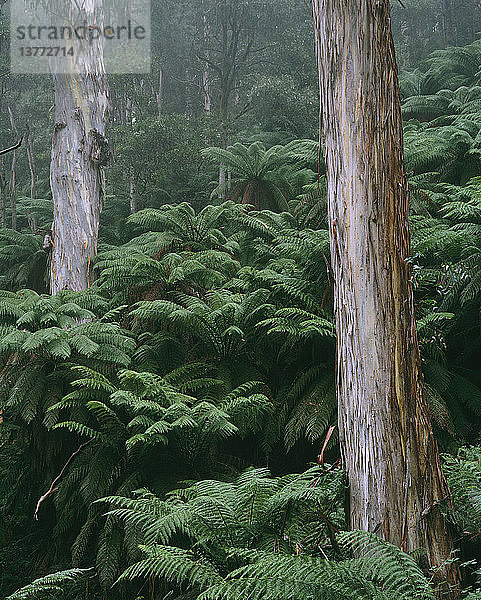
{"points": [[52, 488]]}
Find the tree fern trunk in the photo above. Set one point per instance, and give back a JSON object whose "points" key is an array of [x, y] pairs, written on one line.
{"points": [[389, 452], [79, 152]]}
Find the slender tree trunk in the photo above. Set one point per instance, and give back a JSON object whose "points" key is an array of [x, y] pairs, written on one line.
{"points": [[133, 193], [129, 119], [447, 22], [388, 448], [3, 197], [222, 182], [13, 175], [222, 194], [205, 74], [79, 153], [189, 105], [206, 91], [159, 96], [32, 221]]}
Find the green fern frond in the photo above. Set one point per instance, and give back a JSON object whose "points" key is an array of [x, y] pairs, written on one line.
{"points": [[48, 584]]}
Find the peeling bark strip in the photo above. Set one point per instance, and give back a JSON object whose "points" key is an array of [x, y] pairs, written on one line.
{"points": [[389, 451], [79, 153]]}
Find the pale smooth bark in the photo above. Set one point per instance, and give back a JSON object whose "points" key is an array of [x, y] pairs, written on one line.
{"points": [[79, 153], [389, 452]]}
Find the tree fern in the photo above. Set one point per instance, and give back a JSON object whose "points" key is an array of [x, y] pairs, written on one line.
{"points": [[263, 179], [45, 586]]}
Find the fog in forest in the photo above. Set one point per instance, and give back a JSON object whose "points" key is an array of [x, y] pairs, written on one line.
{"points": [[240, 299]]}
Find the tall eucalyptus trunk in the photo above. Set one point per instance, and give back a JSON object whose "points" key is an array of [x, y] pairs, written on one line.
{"points": [[389, 452], [79, 153]]}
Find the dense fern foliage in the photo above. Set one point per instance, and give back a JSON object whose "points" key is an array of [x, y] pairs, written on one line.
{"points": [[262, 537], [49, 586]]}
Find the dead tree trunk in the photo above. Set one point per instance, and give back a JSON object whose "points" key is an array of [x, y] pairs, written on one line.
{"points": [[79, 153], [388, 448]]}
